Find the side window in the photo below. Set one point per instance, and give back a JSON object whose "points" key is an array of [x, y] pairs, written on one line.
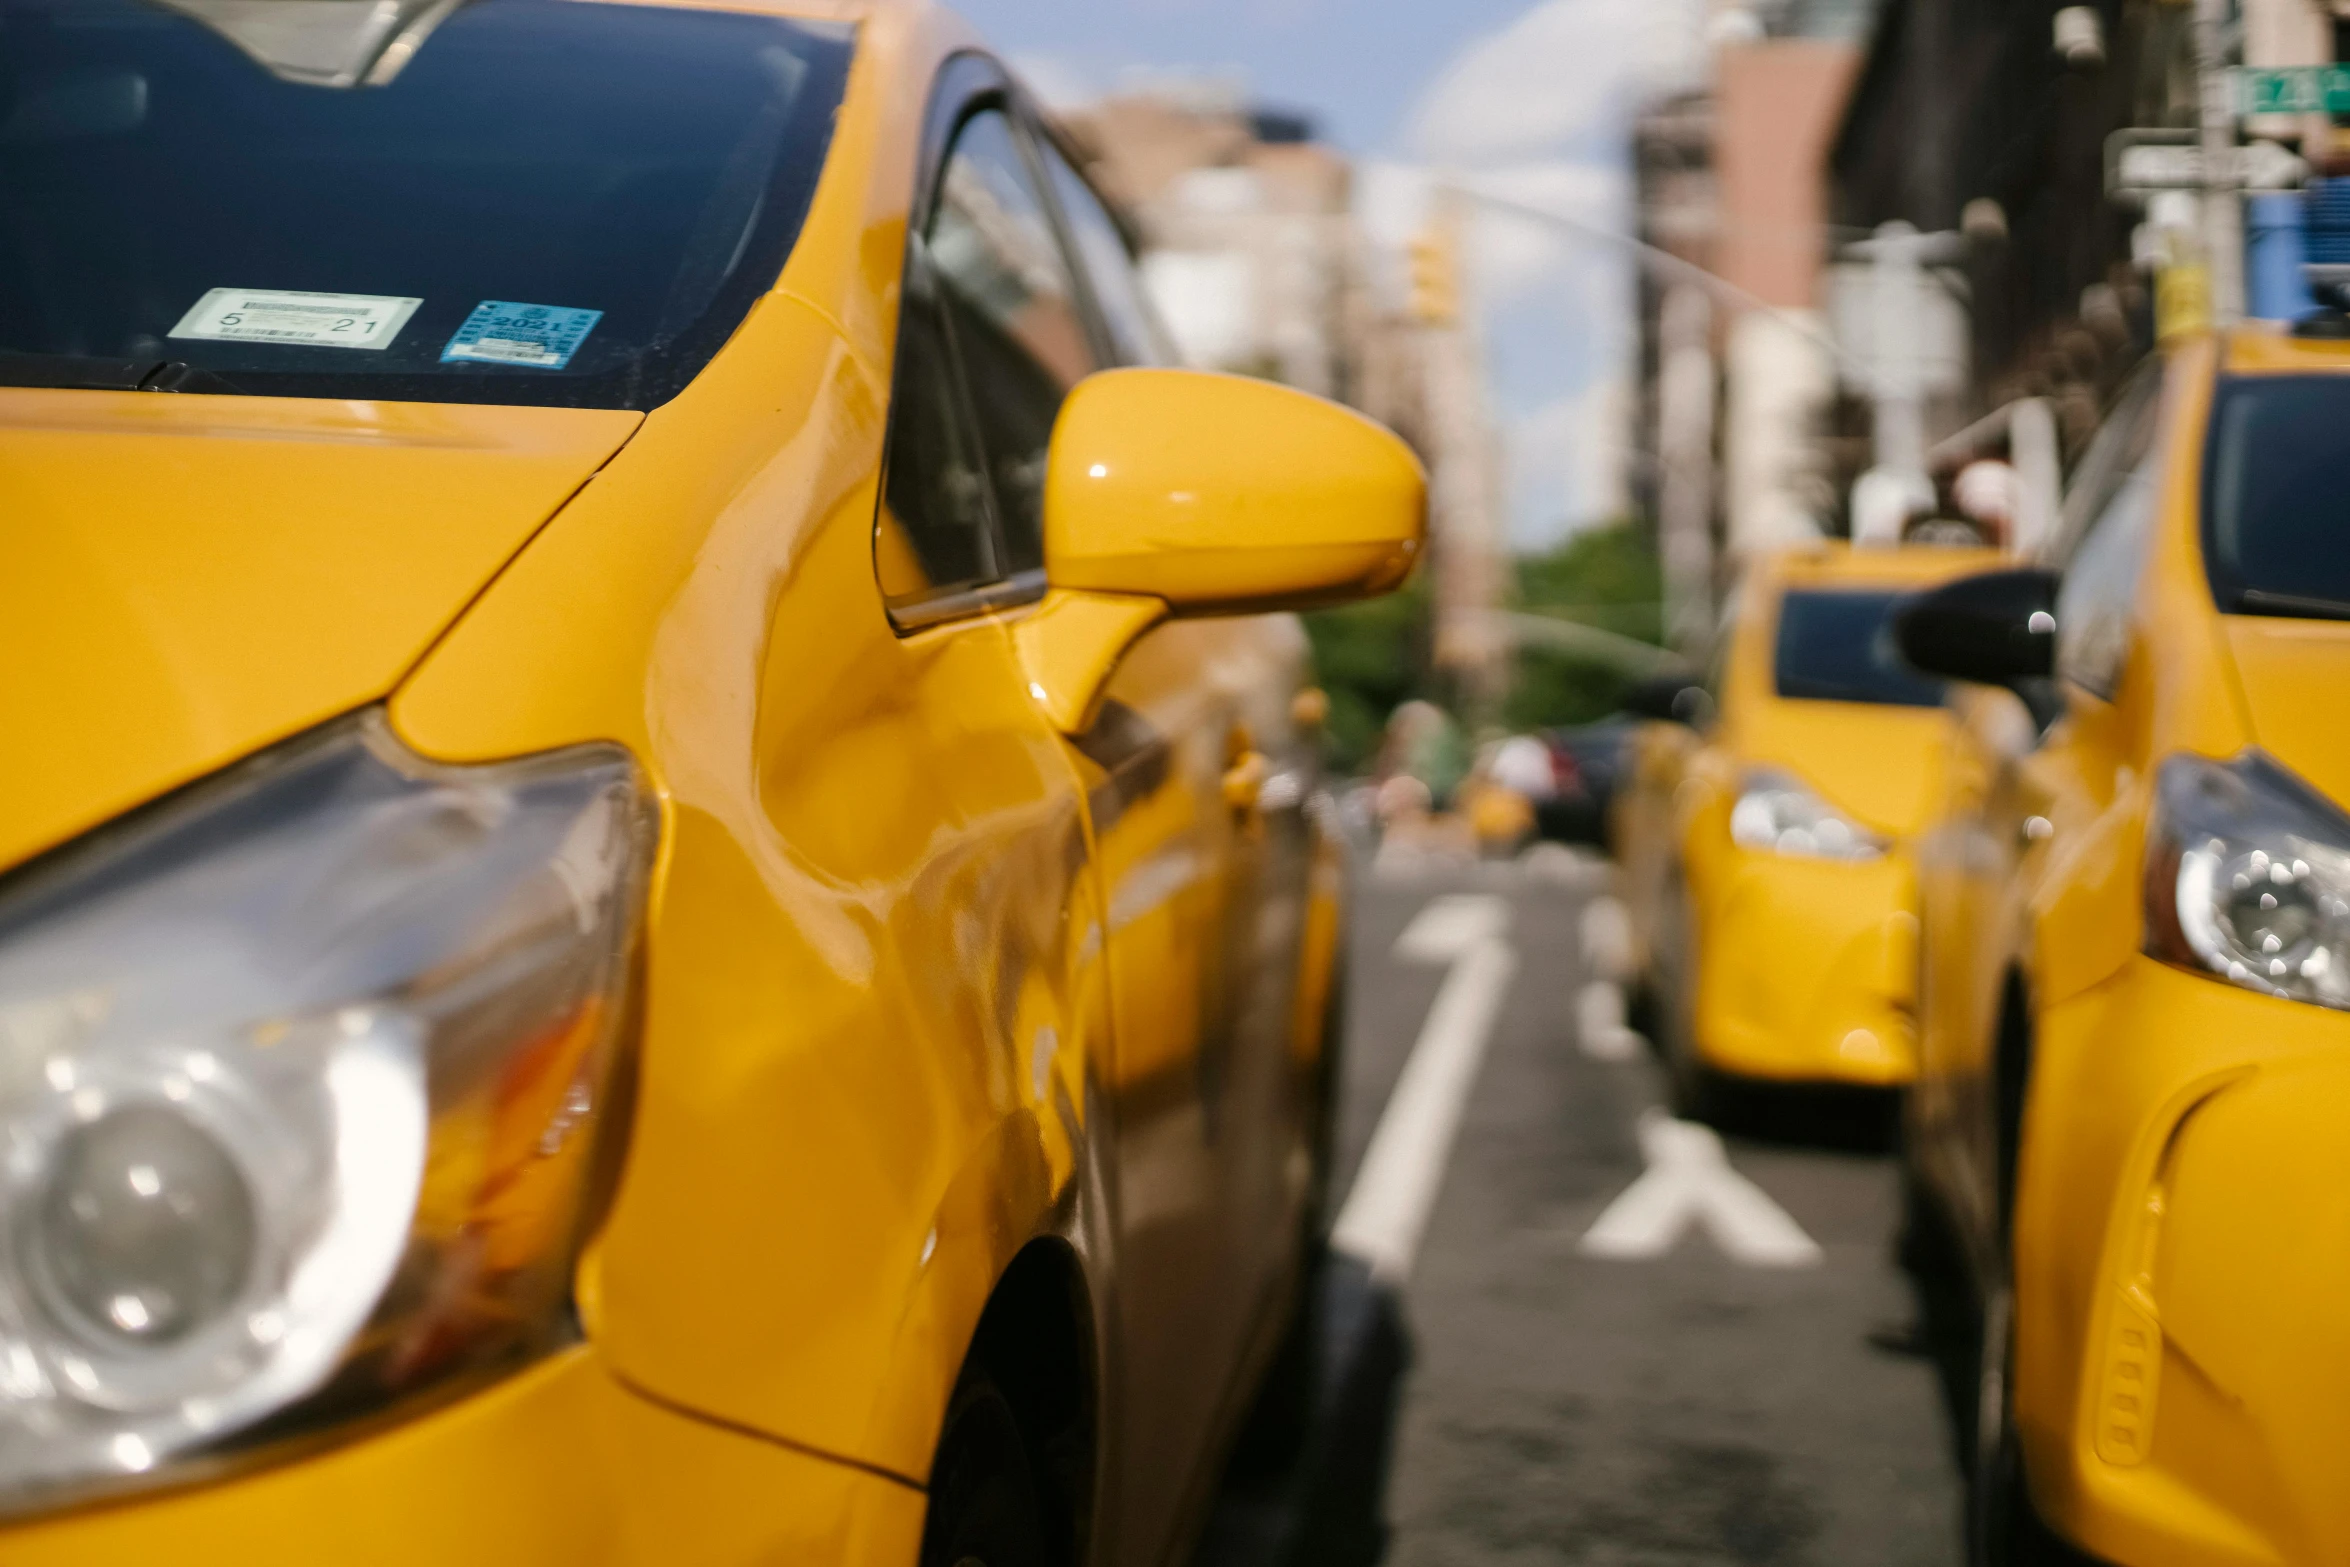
{"points": [[1109, 266], [1019, 334], [933, 536], [2114, 451], [2109, 514]]}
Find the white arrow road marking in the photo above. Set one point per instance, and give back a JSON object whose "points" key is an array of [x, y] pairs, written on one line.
{"points": [[1387, 1210], [1689, 1178]]}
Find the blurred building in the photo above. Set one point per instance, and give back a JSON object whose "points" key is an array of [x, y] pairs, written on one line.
{"points": [[1974, 122], [1780, 80], [1737, 366], [1253, 256], [1992, 124], [1252, 252], [1678, 207]]}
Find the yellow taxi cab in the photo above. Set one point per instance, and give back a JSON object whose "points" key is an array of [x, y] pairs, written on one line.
{"points": [[2126, 1133], [1774, 897], [664, 899]]}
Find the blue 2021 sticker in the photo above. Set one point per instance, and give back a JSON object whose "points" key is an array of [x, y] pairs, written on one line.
{"points": [[501, 332]]}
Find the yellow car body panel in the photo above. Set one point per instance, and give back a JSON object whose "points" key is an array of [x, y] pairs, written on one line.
{"points": [[1642, 842], [2179, 1228], [242, 568], [557, 1464], [925, 980], [1804, 967]]}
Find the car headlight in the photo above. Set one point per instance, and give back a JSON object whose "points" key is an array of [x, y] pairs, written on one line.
{"points": [[1777, 812], [299, 1076], [2248, 878]]}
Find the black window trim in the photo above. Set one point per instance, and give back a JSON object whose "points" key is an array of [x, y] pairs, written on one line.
{"points": [[1039, 135], [2138, 403], [969, 84]]}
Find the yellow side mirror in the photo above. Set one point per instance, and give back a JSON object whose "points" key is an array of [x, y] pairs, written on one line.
{"points": [[1179, 492]]}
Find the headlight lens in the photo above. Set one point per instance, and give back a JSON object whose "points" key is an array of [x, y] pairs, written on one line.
{"points": [[298, 1076], [2248, 877], [1777, 812]]}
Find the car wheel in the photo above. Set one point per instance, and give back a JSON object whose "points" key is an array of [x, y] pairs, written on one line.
{"points": [[1695, 1089], [1281, 1420], [985, 1510], [2003, 1528]]}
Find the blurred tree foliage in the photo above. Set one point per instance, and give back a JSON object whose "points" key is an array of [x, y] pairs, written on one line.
{"points": [[1605, 577], [1373, 656], [1370, 658]]}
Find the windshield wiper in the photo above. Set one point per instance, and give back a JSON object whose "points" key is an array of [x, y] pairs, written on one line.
{"points": [[2261, 601], [86, 373]]}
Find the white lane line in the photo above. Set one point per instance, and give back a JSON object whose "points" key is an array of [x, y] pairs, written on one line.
{"points": [[1387, 1210], [1689, 1179], [1599, 1023], [1605, 933]]}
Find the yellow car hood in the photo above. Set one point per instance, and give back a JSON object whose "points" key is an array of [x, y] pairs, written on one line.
{"points": [[2294, 674], [185, 578], [1875, 762]]}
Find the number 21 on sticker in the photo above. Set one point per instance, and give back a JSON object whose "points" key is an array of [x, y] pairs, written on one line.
{"points": [[292, 318]]}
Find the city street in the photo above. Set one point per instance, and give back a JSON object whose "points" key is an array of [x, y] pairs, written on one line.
{"points": [[1174, 783], [1678, 1407]]}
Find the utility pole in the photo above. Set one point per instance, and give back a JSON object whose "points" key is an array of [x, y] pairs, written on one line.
{"points": [[1472, 646], [1896, 486], [1685, 455], [2223, 210]]}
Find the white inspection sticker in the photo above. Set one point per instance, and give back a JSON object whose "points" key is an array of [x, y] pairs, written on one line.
{"points": [[253, 315]]}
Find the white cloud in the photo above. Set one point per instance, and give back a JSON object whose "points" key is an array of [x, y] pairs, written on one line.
{"points": [[1517, 252], [1566, 462], [1508, 254], [1554, 315], [1536, 113], [1563, 73], [1059, 81]]}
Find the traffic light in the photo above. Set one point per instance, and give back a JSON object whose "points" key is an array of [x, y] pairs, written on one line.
{"points": [[1436, 291]]}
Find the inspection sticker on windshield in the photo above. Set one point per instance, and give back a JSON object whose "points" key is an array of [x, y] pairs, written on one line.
{"points": [[252, 315], [502, 332]]}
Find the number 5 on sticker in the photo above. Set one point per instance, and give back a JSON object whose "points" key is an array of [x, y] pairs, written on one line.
{"points": [[295, 319]]}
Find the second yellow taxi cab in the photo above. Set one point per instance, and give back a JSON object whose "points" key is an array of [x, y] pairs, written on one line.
{"points": [[1771, 888], [661, 890], [2127, 1131]]}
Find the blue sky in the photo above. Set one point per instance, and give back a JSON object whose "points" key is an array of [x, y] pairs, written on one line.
{"points": [[1527, 96], [1361, 64]]}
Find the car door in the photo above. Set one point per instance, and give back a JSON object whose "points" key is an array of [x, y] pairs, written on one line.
{"points": [[1200, 774], [871, 996], [2004, 807]]}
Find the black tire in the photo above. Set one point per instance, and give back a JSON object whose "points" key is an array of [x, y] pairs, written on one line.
{"points": [[2003, 1528], [985, 1510], [1281, 1419], [1694, 1088], [1924, 1245]]}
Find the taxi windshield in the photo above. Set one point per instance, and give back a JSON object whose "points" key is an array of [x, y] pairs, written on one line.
{"points": [[503, 201], [1838, 647], [2276, 498]]}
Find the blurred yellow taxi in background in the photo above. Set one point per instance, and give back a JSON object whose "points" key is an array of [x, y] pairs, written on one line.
{"points": [[2127, 1132], [665, 900], [1768, 860]]}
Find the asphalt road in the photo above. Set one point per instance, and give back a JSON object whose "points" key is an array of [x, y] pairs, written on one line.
{"points": [[1677, 1407]]}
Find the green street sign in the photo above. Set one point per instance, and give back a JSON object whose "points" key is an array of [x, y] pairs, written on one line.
{"points": [[2293, 89]]}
